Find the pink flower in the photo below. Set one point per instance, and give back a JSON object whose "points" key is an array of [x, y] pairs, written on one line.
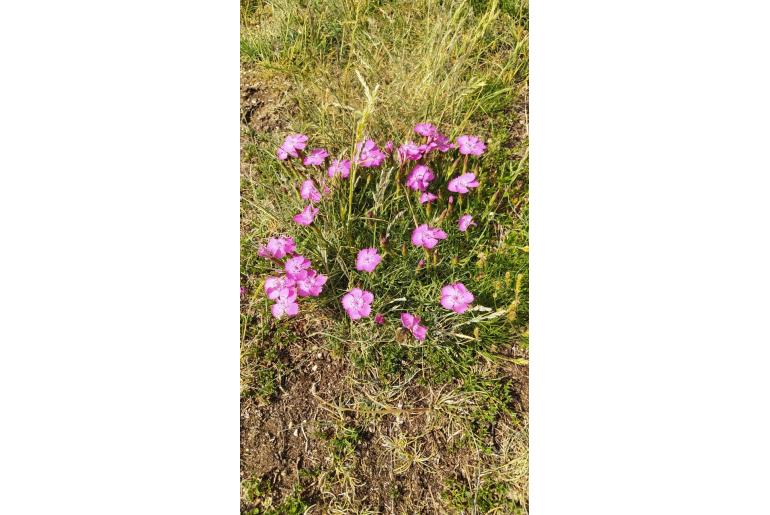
{"points": [[309, 192], [379, 319], [451, 199], [315, 157], [420, 178], [388, 147], [437, 142], [412, 323], [307, 215], [274, 285], [357, 303], [367, 260], [471, 145], [442, 143], [291, 146], [312, 285], [340, 167], [278, 247], [465, 222], [368, 155], [243, 291], [456, 297], [428, 237], [296, 267], [427, 197], [285, 303], [409, 151], [425, 129], [420, 264], [462, 183]]}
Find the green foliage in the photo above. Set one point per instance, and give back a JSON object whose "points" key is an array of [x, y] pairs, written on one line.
{"points": [[344, 442], [493, 399], [262, 364], [488, 497], [253, 492]]}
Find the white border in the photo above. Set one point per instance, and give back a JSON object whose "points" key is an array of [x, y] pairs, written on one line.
{"points": [[119, 372], [649, 258]]}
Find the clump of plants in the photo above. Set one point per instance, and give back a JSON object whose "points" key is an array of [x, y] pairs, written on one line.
{"points": [[381, 224]]}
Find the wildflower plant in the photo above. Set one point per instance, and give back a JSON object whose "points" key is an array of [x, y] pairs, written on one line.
{"points": [[379, 238]]}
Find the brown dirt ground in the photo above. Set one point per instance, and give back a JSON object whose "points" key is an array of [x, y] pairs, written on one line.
{"points": [[293, 433]]}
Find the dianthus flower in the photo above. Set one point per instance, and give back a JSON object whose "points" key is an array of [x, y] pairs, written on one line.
{"points": [[470, 145], [409, 151], [340, 167], [311, 285], [456, 297], [309, 192], [307, 215], [428, 237], [277, 247], [412, 323], [317, 156], [291, 146], [462, 183], [465, 222], [437, 142], [285, 303], [368, 155], [420, 178], [297, 267], [274, 285], [357, 303], [425, 129], [427, 197], [367, 260]]}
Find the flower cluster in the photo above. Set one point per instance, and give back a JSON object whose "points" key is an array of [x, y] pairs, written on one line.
{"points": [[299, 279]]}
